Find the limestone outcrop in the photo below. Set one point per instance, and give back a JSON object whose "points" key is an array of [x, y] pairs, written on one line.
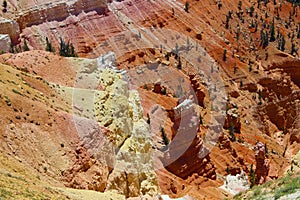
{"points": [[235, 184], [119, 110]]}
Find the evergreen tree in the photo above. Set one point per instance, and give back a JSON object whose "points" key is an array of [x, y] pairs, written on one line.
{"points": [[4, 4], [12, 48], [186, 7], [179, 65], [272, 32], [176, 50], [164, 136], [250, 67], [251, 11], [240, 5], [259, 97], [148, 118], [66, 49], [234, 68], [293, 50], [200, 120], [264, 37], [231, 132], [227, 22], [49, 46], [25, 47], [282, 44], [224, 54]]}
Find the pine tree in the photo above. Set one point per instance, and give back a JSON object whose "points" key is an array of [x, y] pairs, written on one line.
{"points": [[234, 68], [49, 46], [224, 54], [25, 47], [227, 22], [199, 59], [62, 47], [250, 67], [186, 7], [240, 5], [179, 65], [12, 48], [293, 50], [231, 132], [66, 49], [272, 32], [148, 118], [4, 4], [164, 136], [176, 51], [282, 44], [251, 11], [259, 97], [200, 120]]}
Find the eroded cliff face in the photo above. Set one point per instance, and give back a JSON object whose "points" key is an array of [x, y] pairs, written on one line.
{"points": [[123, 142], [187, 155], [58, 11], [262, 103], [119, 109]]}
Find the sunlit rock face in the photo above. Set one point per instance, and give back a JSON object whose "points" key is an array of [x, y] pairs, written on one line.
{"points": [[11, 28]]}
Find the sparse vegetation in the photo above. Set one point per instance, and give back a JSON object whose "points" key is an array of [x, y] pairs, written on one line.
{"points": [[272, 189]]}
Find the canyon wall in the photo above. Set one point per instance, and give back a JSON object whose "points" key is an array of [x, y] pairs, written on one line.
{"points": [[58, 11]]}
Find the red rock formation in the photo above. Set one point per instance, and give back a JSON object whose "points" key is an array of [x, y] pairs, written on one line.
{"points": [[262, 164], [186, 154], [86, 173], [232, 119], [200, 94]]}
